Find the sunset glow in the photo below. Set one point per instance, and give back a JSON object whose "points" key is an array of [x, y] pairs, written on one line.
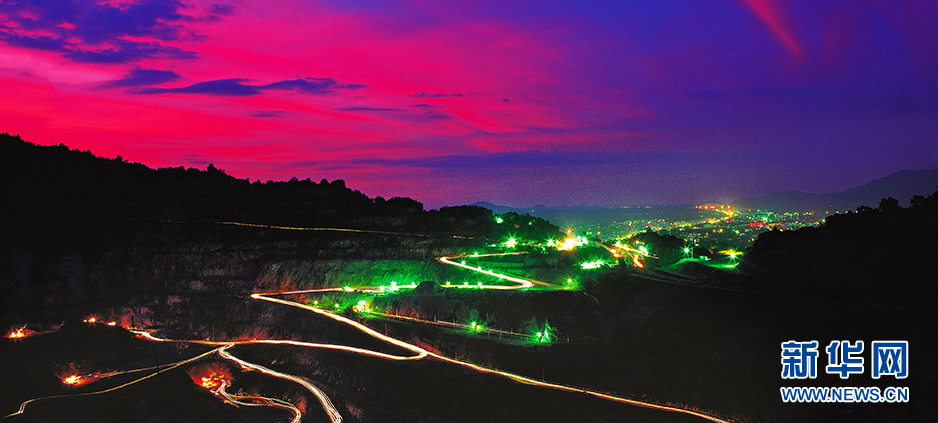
{"points": [[680, 102]]}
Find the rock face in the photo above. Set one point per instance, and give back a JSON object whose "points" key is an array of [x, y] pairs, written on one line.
{"points": [[78, 228], [208, 259]]}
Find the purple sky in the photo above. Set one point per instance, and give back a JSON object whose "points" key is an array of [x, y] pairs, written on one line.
{"points": [[517, 103]]}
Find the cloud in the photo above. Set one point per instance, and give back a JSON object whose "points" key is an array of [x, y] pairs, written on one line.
{"points": [[425, 94], [226, 87], [769, 12], [430, 111], [144, 77], [528, 158], [368, 109], [221, 9], [237, 87], [309, 85], [267, 113], [96, 32]]}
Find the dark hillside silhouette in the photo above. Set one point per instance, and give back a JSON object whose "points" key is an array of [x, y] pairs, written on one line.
{"points": [[887, 246], [54, 185]]}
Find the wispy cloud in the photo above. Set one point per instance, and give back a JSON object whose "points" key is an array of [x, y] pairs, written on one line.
{"points": [[369, 109], [237, 87], [267, 113], [144, 77], [425, 94], [528, 158]]}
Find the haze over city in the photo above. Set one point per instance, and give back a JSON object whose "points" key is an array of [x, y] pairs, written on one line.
{"points": [[529, 102]]}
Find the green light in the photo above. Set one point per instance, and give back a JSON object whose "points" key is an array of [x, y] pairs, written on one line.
{"points": [[316, 302], [595, 264], [499, 219], [347, 289], [543, 336], [479, 284]]}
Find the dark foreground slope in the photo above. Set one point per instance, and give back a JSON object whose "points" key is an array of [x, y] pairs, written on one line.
{"points": [[145, 247], [77, 227], [886, 249]]}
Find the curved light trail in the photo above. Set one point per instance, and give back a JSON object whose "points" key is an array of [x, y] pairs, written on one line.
{"points": [[85, 394], [522, 283], [256, 401], [333, 413], [521, 379], [330, 409], [300, 228]]}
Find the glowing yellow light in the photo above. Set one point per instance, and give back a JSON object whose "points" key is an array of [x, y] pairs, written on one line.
{"points": [[511, 243], [73, 380], [567, 244], [17, 333], [92, 320]]}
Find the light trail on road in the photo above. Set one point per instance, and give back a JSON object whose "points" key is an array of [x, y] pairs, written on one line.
{"points": [[521, 379], [242, 400], [523, 283], [330, 409], [418, 353], [84, 394], [300, 228]]}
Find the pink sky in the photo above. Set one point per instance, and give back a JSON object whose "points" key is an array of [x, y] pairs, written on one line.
{"points": [[532, 102]]}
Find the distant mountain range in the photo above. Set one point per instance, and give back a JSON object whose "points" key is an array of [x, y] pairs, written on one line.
{"points": [[901, 185], [495, 208]]}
